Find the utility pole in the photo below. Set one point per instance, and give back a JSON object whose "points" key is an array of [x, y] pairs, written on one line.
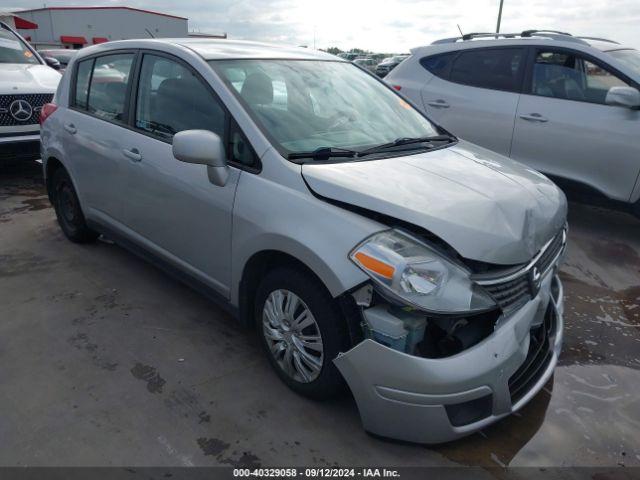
{"points": [[499, 16]]}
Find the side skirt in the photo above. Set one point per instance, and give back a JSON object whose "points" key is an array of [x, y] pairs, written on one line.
{"points": [[166, 267]]}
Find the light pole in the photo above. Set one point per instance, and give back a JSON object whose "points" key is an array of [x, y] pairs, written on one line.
{"points": [[499, 16]]}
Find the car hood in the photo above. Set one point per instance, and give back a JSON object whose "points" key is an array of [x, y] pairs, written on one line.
{"points": [[486, 206], [27, 78]]}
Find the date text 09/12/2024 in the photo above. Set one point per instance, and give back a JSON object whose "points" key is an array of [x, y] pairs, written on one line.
{"points": [[317, 472]]}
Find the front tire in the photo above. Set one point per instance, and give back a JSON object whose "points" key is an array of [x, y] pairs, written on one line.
{"points": [[302, 332], [68, 210]]}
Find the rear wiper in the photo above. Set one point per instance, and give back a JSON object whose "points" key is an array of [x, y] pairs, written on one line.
{"points": [[406, 141], [324, 153]]}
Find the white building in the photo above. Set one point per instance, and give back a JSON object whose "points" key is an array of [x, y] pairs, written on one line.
{"points": [[14, 21], [77, 27]]}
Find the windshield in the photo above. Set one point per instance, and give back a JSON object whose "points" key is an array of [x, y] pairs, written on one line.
{"points": [[306, 105], [13, 50], [631, 58]]}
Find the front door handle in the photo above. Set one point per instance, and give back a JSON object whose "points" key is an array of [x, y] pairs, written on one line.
{"points": [[71, 128], [439, 104], [534, 117], [133, 154]]}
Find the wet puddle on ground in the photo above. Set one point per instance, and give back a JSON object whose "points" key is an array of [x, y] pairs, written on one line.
{"points": [[21, 191]]}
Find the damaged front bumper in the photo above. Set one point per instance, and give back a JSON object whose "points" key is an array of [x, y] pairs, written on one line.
{"points": [[427, 400]]}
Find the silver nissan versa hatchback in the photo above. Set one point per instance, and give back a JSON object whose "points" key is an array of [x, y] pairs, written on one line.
{"points": [[366, 244]]}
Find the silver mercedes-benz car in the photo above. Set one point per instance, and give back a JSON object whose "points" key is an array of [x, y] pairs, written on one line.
{"points": [[365, 243]]}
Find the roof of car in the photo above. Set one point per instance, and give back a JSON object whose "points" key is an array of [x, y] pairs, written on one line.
{"points": [[606, 46], [527, 37], [218, 49]]}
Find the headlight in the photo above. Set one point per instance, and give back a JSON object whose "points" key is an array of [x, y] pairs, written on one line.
{"points": [[418, 275]]}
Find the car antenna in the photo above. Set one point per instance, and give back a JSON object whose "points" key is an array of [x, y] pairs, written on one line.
{"points": [[150, 34], [460, 30]]}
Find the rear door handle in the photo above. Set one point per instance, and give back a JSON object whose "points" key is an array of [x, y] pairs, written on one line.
{"points": [[439, 104], [534, 117], [71, 128], [133, 154]]}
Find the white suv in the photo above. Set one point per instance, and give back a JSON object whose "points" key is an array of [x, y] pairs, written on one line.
{"points": [[26, 84], [567, 106]]}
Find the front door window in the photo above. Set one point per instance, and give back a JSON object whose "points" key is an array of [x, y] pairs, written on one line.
{"points": [[568, 76]]}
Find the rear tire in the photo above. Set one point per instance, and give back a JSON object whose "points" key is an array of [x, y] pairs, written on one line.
{"points": [[68, 210], [302, 357]]}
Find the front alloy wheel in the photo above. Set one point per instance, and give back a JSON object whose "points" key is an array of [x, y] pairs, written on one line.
{"points": [[302, 331], [293, 336]]}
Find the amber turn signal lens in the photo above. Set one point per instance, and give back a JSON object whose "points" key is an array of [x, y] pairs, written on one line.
{"points": [[376, 266]]}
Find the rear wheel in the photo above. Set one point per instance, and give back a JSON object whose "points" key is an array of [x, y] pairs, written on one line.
{"points": [[302, 331], [68, 211]]}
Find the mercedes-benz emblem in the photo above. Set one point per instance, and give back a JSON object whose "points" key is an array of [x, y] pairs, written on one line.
{"points": [[21, 110]]}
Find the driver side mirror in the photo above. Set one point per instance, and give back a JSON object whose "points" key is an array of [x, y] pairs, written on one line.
{"points": [[52, 62], [624, 97], [203, 147]]}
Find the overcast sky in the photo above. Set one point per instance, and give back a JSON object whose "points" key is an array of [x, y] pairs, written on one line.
{"points": [[389, 25]]}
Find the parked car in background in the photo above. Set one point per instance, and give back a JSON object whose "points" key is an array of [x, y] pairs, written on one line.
{"points": [[366, 63], [26, 84], [348, 55], [362, 241], [62, 55], [388, 64], [568, 107]]}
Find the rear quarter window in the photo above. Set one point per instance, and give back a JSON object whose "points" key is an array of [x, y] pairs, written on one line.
{"points": [[439, 65]]}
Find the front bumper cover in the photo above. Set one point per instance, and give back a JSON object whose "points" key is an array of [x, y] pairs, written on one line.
{"points": [[20, 146], [407, 397]]}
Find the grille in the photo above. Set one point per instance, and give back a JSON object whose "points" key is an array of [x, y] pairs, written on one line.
{"points": [[516, 291], [512, 294], [538, 357], [544, 262], [36, 100]]}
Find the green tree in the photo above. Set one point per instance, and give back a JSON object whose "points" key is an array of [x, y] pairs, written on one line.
{"points": [[333, 50]]}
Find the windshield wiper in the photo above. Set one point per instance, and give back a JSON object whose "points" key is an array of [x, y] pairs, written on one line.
{"points": [[324, 153], [406, 141]]}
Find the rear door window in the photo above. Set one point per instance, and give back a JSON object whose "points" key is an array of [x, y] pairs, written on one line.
{"points": [[495, 68], [109, 83]]}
